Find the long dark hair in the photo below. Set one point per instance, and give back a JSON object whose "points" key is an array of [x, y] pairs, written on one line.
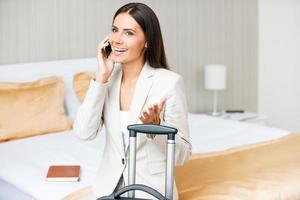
{"points": [[148, 21]]}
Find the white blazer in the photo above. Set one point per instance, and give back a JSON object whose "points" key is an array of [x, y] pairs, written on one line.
{"points": [[101, 106]]}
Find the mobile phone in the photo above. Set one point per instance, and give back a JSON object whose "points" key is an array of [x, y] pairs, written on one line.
{"points": [[106, 50]]}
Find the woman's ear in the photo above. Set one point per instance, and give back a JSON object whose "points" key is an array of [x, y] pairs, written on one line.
{"points": [[146, 45]]}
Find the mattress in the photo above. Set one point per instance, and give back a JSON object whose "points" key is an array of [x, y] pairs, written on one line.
{"points": [[24, 162]]}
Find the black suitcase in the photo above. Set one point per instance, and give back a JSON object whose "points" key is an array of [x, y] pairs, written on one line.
{"points": [[147, 129]]}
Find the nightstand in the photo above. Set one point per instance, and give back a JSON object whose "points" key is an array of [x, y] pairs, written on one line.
{"points": [[246, 117]]}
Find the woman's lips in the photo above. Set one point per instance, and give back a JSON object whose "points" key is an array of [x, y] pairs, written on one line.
{"points": [[119, 51]]}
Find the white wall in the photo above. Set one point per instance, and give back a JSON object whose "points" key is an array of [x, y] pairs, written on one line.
{"points": [[279, 62]]}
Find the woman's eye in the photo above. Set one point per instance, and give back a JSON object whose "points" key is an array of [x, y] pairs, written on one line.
{"points": [[114, 30], [129, 33]]}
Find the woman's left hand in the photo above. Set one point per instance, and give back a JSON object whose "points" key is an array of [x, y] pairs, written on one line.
{"points": [[153, 114]]}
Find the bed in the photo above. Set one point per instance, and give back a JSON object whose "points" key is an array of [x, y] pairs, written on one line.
{"points": [[268, 170], [24, 162]]}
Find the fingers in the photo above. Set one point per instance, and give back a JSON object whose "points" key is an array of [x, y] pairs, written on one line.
{"points": [[144, 119], [152, 116], [156, 109], [156, 113], [147, 117], [151, 111], [162, 104], [102, 44], [105, 65]]}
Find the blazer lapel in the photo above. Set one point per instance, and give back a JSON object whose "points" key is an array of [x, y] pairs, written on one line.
{"points": [[114, 107], [141, 92]]}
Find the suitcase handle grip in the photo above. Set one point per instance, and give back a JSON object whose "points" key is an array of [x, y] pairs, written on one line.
{"points": [[140, 187], [152, 129]]}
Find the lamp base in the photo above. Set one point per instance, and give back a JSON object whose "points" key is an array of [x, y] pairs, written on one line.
{"points": [[215, 114]]}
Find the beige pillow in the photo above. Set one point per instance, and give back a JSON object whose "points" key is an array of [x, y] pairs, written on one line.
{"points": [[81, 82], [32, 108]]}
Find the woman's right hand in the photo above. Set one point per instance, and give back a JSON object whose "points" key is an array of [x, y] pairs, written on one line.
{"points": [[105, 65]]}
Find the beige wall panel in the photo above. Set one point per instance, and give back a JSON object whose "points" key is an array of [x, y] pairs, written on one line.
{"points": [[196, 32]]}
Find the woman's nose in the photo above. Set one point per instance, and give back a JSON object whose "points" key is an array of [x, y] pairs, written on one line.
{"points": [[116, 38]]}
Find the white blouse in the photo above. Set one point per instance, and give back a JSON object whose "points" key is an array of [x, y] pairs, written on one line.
{"points": [[124, 124]]}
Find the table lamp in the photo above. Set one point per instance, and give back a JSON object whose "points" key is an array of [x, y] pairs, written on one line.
{"points": [[215, 80]]}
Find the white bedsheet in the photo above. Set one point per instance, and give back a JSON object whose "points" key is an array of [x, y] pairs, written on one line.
{"points": [[212, 134], [10, 192], [24, 162]]}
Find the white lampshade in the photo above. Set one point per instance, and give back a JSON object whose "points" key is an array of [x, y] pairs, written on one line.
{"points": [[215, 77]]}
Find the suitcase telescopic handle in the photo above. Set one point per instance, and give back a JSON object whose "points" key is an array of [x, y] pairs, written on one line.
{"points": [[158, 130], [152, 129]]}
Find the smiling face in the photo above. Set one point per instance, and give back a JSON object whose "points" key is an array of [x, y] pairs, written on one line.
{"points": [[127, 40]]}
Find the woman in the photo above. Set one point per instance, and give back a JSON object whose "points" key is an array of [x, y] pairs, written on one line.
{"points": [[141, 90]]}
